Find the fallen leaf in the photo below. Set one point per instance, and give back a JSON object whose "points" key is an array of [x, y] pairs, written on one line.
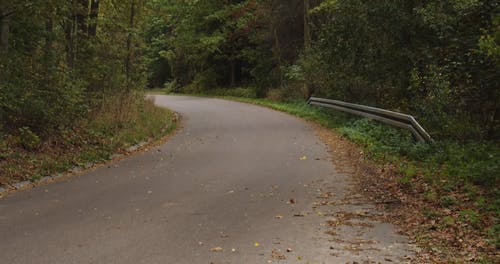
{"points": [[256, 244], [303, 158], [216, 249], [289, 250], [275, 254], [278, 217]]}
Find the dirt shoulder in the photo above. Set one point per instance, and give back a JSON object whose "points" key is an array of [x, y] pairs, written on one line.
{"points": [[442, 235]]}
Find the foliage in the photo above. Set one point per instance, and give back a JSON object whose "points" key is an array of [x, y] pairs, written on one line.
{"points": [[206, 44], [432, 59], [58, 59], [110, 130], [437, 60], [71, 79]]}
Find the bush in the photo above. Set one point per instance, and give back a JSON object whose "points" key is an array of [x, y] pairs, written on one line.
{"points": [[43, 100], [172, 87], [27, 139]]}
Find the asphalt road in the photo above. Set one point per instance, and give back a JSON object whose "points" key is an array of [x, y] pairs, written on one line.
{"points": [[236, 184]]}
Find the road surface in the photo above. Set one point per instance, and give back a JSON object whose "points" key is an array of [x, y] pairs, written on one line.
{"points": [[238, 183]]}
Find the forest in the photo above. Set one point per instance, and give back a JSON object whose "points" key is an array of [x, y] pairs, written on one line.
{"points": [[437, 60], [74, 73]]}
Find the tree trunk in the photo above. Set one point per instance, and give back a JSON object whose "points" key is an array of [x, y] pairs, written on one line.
{"points": [[277, 49], [49, 27], [232, 64], [307, 28], [307, 44], [68, 35], [233, 73], [82, 12], [4, 32], [128, 62], [94, 14]]}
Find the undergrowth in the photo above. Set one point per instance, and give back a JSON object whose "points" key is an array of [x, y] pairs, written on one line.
{"points": [[119, 123]]}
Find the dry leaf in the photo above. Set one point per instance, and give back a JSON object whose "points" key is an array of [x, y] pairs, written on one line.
{"points": [[275, 254], [216, 249]]}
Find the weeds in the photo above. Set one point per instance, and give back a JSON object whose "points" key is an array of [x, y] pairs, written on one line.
{"points": [[120, 122]]}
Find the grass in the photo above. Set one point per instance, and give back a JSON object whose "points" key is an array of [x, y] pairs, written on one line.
{"points": [[117, 125]]}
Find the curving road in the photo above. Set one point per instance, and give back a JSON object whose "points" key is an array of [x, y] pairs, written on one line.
{"points": [[236, 184]]}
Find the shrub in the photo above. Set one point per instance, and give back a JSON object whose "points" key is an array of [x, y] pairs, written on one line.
{"points": [[27, 139]]}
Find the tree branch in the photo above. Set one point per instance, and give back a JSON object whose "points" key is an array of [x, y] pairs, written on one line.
{"points": [[2, 16]]}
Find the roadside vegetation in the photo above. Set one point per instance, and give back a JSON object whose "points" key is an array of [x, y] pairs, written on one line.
{"points": [[71, 85], [26, 156]]}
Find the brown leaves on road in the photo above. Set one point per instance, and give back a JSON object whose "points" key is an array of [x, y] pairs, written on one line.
{"points": [[216, 249], [276, 254]]}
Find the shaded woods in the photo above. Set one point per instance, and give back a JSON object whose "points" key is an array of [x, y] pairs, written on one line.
{"points": [[71, 84], [61, 60], [437, 60]]}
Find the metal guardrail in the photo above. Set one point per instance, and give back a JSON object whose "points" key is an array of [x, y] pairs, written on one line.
{"points": [[389, 117]]}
